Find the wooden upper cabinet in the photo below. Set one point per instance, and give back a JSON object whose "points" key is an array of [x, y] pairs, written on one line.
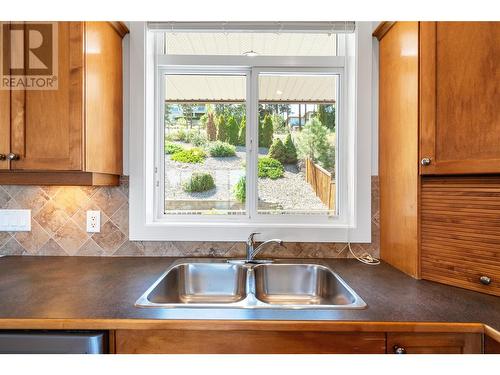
{"points": [[103, 98], [48, 134], [72, 134], [459, 97], [398, 151]]}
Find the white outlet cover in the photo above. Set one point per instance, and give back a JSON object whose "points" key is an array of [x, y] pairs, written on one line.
{"points": [[15, 220], [93, 221]]}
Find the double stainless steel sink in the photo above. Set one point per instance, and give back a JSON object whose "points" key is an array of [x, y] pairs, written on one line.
{"points": [[219, 283]]}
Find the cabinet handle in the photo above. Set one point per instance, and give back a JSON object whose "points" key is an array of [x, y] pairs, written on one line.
{"points": [[425, 161], [399, 349], [11, 156], [2, 157], [485, 280]]}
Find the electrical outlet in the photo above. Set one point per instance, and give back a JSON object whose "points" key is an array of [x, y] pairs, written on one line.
{"points": [[15, 220], [93, 221]]}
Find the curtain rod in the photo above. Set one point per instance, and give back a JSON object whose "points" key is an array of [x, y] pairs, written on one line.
{"points": [[334, 27]]}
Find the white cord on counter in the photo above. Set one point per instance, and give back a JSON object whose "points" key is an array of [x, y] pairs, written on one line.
{"points": [[364, 258]]}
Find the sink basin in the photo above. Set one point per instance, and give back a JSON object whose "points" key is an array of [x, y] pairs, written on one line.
{"points": [[218, 283], [201, 283], [300, 284]]}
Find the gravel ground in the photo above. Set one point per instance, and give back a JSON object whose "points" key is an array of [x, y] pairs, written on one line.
{"points": [[290, 192]]}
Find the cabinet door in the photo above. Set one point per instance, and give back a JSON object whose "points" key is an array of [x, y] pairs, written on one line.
{"points": [[398, 132], [103, 98], [246, 342], [460, 231], [4, 127], [459, 98], [47, 125], [434, 343]]}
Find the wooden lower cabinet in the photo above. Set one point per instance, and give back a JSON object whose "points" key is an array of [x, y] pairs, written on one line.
{"points": [[434, 343], [491, 346], [246, 342], [293, 342], [460, 231]]}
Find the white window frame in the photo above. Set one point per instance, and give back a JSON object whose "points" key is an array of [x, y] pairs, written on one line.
{"points": [[354, 220]]}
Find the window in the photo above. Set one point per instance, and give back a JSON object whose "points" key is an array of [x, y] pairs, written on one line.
{"points": [[297, 127], [204, 118], [253, 131]]}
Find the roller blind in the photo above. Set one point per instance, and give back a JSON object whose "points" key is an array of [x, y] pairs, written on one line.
{"points": [[333, 27]]}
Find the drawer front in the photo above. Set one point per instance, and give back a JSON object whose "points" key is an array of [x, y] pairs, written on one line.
{"points": [[460, 232], [246, 342], [434, 343]]}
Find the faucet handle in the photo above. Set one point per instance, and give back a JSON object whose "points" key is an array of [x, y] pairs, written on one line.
{"points": [[251, 236]]}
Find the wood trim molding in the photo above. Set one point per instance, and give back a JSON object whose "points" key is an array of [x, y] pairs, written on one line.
{"points": [[492, 333], [120, 28], [58, 178], [382, 29], [262, 325]]}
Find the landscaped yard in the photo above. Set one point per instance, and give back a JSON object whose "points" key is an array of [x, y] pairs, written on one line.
{"points": [[287, 193], [205, 163]]}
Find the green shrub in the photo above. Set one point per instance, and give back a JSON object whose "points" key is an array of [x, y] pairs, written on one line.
{"points": [[266, 131], [193, 155], [232, 131], [242, 132], [179, 135], [199, 182], [221, 149], [278, 151], [196, 138], [172, 148], [239, 189], [222, 131], [211, 128], [290, 150], [313, 143], [269, 167]]}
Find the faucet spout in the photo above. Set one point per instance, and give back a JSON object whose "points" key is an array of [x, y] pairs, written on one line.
{"points": [[261, 246], [252, 252]]}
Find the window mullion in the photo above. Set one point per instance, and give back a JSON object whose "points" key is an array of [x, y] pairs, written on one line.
{"points": [[252, 143]]}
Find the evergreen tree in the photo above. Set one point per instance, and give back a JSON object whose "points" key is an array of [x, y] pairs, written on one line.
{"points": [[187, 112], [266, 132], [232, 131], [313, 143], [278, 151], [211, 128], [290, 150], [242, 132], [222, 134], [326, 115]]}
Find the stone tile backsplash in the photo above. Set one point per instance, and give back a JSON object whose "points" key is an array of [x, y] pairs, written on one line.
{"points": [[59, 222]]}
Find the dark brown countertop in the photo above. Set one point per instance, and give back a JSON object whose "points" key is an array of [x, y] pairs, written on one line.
{"points": [[100, 288]]}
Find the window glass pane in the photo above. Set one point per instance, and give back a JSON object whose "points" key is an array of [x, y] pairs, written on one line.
{"points": [[205, 154], [297, 143], [241, 43]]}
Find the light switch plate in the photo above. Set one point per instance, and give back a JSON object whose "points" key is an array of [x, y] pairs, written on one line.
{"points": [[93, 221], [15, 220]]}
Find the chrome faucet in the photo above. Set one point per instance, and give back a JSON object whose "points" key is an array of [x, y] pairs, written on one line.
{"points": [[252, 252]]}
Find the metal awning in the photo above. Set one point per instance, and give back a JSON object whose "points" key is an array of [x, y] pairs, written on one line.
{"points": [[272, 88]]}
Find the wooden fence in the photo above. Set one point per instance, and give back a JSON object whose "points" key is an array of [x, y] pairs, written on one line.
{"points": [[322, 183]]}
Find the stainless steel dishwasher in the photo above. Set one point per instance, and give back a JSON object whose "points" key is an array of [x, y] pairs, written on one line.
{"points": [[52, 342]]}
